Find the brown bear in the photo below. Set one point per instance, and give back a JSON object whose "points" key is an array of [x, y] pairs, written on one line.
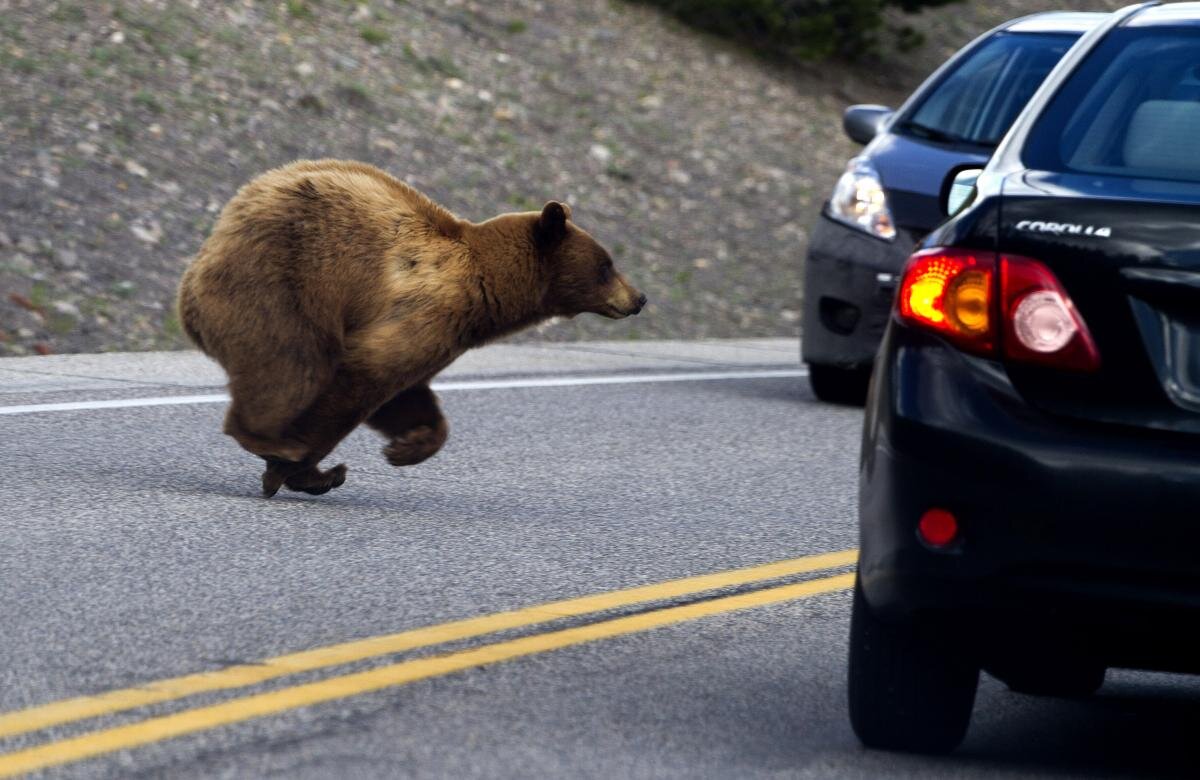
{"points": [[331, 293]]}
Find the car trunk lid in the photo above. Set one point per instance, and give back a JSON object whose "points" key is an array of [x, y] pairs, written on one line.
{"points": [[1128, 253]]}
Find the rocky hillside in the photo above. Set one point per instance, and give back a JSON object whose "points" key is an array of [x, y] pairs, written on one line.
{"points": [[126, 124]]}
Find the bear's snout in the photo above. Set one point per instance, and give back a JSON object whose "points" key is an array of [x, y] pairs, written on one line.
{"points": [[626, 301]]}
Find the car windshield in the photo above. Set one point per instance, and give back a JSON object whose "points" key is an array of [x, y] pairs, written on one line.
{"points": [[1131, 109], [976, 103]]}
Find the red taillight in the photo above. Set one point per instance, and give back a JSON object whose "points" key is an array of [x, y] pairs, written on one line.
{"points": [[1041, 325], [950, 291], [954, 293]]}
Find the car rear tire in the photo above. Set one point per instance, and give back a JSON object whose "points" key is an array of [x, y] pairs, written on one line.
{"points": [[835, 385], [1070, 679], [911, 684]]}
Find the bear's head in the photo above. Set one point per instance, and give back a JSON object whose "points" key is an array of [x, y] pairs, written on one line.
{"points": [[580, 272]]}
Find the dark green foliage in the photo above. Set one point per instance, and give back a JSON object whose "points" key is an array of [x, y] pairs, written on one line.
{"points": [[797, 29]]}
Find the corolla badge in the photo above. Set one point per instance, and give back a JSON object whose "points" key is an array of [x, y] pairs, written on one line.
{"points": [[1064, 228]]}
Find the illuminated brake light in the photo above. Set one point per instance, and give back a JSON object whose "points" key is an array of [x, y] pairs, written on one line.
{"points": [[956, 293], [950, 291]]}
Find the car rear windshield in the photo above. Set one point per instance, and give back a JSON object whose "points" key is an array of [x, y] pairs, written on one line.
{"points": [[980, 98], [1132, 108]]}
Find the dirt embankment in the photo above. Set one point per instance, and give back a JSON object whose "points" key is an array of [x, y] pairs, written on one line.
{"points": [[126, 125]]}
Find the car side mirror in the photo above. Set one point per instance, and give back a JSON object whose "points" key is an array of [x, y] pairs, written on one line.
{"points": [[862, 123], [958, 191]]}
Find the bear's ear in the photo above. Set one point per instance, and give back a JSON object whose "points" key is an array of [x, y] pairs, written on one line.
{"points": [[552, 223]]}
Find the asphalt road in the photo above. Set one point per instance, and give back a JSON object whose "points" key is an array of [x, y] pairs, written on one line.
{"points": [[135, 549]]}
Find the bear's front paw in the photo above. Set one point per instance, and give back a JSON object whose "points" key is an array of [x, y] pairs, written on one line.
{"points": [[415, 445]]}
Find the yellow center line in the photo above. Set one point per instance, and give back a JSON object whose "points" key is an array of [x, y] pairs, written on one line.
{"points": [[82, 707], [307, 694]]}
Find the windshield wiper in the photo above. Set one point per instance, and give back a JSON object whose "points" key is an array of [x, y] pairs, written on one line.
{"points": [[934, 134]]}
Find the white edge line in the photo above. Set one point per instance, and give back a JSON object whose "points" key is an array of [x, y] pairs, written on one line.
{"points": [[484, 384]]}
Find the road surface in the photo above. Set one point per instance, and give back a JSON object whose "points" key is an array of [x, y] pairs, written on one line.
{"points": [[630, 560]]}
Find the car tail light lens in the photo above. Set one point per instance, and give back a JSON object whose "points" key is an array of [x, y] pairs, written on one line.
{"points": [[950, 291], [1041, 324], [977, 302]]}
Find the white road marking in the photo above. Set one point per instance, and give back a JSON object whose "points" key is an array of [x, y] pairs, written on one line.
{"points": [[482, 384]]}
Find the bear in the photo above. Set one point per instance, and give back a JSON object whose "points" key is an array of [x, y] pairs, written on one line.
{"points": [[332, 293]]}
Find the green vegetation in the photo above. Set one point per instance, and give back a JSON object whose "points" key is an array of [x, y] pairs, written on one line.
{"points": [[445, 66], [799, 29], [619, 173], [69, 12], [11, 30], [355, 94], [191, 54], [124, 289], [146, 100], [373, 35], [112, 54], [299, 9], [170, 324], [25, 65], [39, 295], [432, 63], [516, 27], [524, 203], [60, 324]]}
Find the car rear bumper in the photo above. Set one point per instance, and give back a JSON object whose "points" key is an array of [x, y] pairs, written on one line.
{"points": [[849, 282], [1093, 524]]}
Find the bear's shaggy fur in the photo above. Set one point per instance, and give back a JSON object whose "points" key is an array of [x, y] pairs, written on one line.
{"points": [[332, 293]]}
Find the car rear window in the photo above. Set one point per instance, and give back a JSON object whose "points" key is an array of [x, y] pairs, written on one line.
{"points": [[977, 101], [1132, 108]]}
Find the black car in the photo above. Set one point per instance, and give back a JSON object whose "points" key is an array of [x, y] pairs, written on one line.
{"points": [[888, 197], [1030, 475]]}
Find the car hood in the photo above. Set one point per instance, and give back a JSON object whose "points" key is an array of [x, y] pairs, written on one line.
{"points": [[917, 166]]}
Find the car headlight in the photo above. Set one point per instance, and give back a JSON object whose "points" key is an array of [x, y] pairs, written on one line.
{"points": [[859, 200]]}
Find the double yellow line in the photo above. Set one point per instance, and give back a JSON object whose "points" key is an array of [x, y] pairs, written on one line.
{"points": [[302, 695]]}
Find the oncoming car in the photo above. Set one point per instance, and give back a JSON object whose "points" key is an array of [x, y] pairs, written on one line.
{"points": [[1030, 474], [888, 197]]}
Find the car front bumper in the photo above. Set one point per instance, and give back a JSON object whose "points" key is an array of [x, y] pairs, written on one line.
{"points": [[1092, 526], [849, 282]]}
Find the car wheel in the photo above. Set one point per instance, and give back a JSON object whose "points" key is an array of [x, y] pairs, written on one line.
{"points": [[839, 385], [1068, 679], [911, 684]]}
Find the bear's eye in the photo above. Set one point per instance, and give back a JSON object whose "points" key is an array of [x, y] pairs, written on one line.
{"points": [[606, 271]]}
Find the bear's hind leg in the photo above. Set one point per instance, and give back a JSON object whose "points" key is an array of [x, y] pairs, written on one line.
{"points": [[337, 411], [302, 477], [262, 417], [267, 399], [414, 425]]}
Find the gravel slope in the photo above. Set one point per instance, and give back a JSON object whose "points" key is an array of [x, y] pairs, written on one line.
{"points": [[126, 125]]}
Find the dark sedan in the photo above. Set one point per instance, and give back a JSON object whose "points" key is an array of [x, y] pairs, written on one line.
{"points": [[1030, 475], [888, 197]]}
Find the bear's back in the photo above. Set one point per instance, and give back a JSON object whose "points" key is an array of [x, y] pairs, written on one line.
{"points": [[320, 243]]}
